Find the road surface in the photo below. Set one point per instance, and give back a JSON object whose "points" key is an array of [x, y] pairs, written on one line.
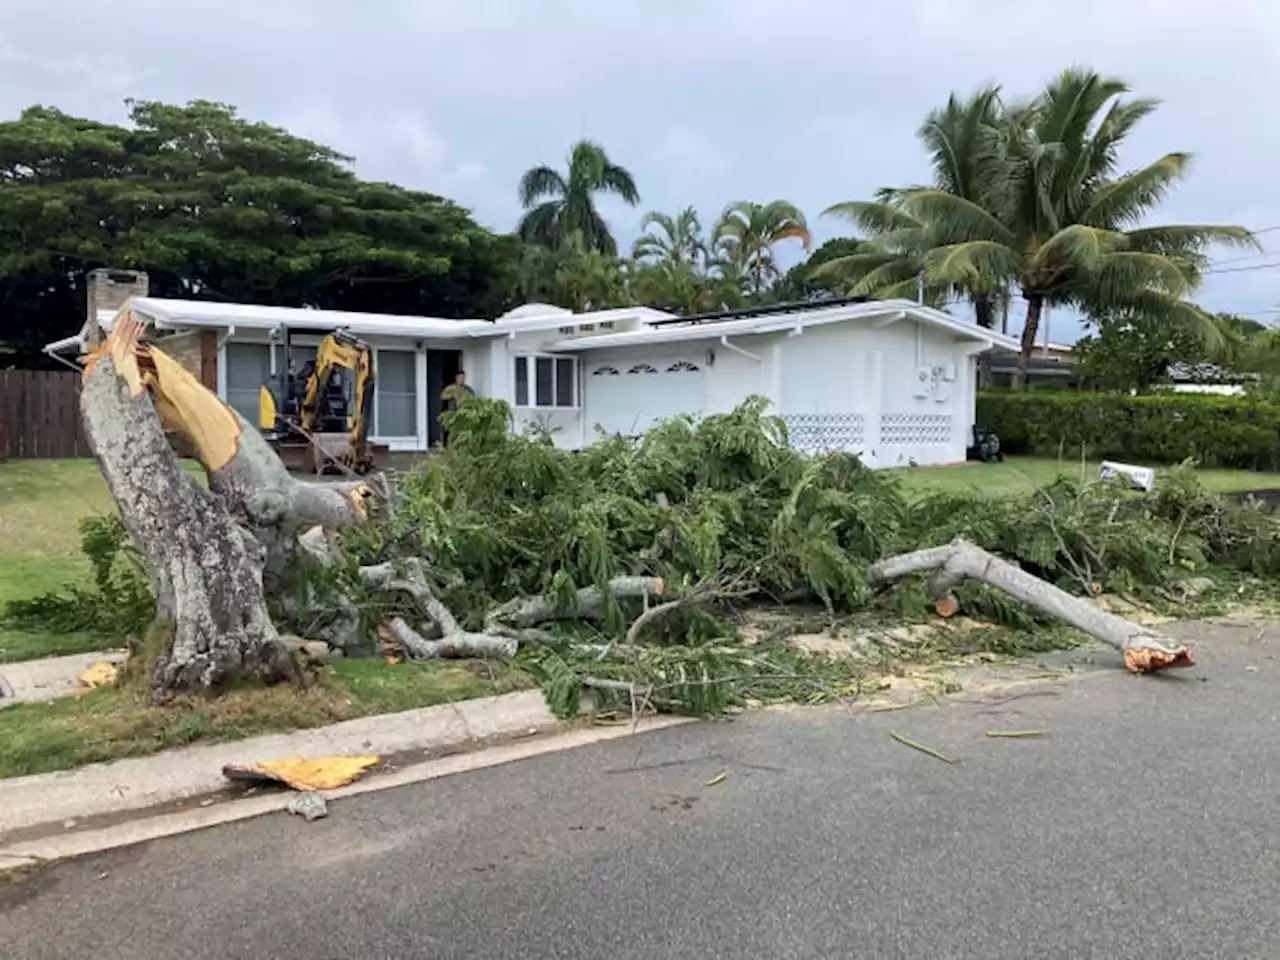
{"points": [[1145, 826]]}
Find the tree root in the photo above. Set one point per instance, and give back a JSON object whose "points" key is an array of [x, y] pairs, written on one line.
{"points": [[1144, 650]]}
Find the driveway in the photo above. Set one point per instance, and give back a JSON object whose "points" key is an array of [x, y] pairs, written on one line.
{"points": [[1143, 826]]}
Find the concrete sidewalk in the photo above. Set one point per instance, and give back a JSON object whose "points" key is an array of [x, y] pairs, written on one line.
{"points": [[49, 678], [124, 786]]}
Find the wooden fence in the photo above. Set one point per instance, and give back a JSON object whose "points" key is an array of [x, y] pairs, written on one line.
{"points": [[40, 415]]}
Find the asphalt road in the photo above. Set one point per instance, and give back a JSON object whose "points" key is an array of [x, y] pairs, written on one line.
{"points": [[1145, 826]]}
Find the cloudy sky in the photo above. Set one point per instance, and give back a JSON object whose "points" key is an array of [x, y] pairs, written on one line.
{"points": [[706, 101]]}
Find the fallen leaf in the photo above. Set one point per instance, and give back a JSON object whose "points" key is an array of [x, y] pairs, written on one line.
{"points": [[718, 778], [101, 674], [304, 773]]}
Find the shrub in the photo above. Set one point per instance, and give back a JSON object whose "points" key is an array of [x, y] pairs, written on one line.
{"points": [[1157, 428]]}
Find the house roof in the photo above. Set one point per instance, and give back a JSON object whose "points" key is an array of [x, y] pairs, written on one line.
{"points": [[171, 314], [817, 315]]}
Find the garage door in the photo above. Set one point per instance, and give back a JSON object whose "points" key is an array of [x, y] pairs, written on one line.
{"points": [[630, 397]]}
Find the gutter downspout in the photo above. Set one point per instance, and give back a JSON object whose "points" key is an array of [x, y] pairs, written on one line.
{"points": [[222, 340], [724, 342]]}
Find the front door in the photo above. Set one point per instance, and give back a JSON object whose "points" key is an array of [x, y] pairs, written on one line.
{"points": [[442, 367]]}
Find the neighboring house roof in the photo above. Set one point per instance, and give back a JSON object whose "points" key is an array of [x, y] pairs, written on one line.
{"points": [[672, 331]]}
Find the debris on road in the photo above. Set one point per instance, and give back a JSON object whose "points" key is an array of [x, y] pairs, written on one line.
{"points": [[304, 773], [717, 779], [309, 806], [1018, 734], [929, 751]]}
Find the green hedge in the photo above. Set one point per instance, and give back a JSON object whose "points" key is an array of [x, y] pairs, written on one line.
{"points": [[1158, 428]]}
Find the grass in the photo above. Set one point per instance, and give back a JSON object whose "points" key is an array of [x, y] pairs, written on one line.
{"points": [[1021, 473], [115, 722], [41, 504]]}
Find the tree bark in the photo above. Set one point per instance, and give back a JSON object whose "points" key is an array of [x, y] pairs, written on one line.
{"points": [[1144, 650], [206, 570], [245, 471], [1035, 303], [984, 313]]}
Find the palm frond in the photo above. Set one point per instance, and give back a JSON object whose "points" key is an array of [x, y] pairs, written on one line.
{"points": [[1077, 246], [953, 219], [540, 182], [1123, 202], [1187, 240], [981, 263], [873, 217]]}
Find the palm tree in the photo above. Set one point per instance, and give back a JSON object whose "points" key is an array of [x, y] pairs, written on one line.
{"points": [[1047, 213], [571, 276], [560, 205], [675, 240], [747, 232]]}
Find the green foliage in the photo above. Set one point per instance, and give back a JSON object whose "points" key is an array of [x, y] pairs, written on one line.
{"points": [[561, 205], [1158, 428], [1031, 197], [727, 501], [213, 205], [120, 602]]}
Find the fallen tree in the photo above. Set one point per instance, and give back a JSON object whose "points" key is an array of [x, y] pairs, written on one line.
{"points": [[1144, 650], [620, 568]]}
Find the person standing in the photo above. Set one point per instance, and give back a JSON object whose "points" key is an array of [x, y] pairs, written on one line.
{"points": [[451, 396]]}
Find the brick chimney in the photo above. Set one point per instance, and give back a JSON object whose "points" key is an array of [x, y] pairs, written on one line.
{"points": [[109, 289]]}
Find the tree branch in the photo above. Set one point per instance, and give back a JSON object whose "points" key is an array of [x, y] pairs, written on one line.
{"points": [[1144, 650]]}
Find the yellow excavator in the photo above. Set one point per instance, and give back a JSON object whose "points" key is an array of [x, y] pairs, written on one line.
{"points": [[317, 418]]}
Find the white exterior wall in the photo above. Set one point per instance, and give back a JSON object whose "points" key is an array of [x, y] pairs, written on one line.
{"points": [[854, 388]]}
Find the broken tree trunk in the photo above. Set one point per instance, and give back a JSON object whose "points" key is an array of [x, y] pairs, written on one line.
{"points": [[206, 570], [1144, 650], [245, 471]]}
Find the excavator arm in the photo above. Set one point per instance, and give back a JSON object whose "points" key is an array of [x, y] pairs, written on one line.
{"points": [[340, 351], [315, 408]]}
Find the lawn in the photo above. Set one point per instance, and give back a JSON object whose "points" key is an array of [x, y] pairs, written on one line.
{"points": [[1021, 473], [41, 504], [114, 722]]}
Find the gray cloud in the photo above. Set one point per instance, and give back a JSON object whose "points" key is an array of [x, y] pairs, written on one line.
{"points": [[812, 100]]}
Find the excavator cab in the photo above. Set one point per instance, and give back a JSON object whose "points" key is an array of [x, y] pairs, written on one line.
{"points": [[317, 417]]}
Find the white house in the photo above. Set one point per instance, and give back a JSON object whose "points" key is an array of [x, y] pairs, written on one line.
{"points": [[891, 380]]}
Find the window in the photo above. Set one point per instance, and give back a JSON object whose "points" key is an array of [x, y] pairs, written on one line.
{"points": [[605, 372], [606, 324], [248, 368], [643, 368], [554, 382], [682, 366], [395, 408]]}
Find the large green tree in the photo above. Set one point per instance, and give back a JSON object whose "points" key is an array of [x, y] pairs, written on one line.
{"points": [[1051, 214], [559, 205], [747, 232], [213, 206]]}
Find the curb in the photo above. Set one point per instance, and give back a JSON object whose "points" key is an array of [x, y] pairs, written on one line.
{"points": [[53, 800], [41, 851]]}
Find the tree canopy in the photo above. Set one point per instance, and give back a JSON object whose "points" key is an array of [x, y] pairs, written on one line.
{"points": [[1031, 197], [213, 206], [561, 205]]}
